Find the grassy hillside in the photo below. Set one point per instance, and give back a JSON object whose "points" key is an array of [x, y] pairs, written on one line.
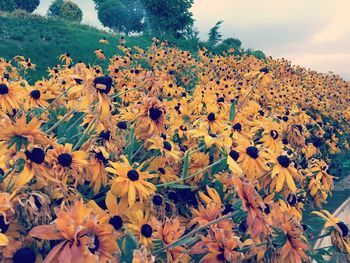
{"points": [[43, 40]]}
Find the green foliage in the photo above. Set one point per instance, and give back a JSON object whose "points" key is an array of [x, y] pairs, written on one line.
{"points": [[71, 12], [54, 8], [7, 5], [27, 5], [127, 245], [168, 16], [66, 10], [214, 35], [120, 15], [233, 110], [44, 39]]}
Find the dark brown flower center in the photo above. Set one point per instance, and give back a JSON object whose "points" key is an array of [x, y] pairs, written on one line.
{"points": [[155, 113], [146, 230], [116, 222], [161, 170], [133, 175], [211, 117], [284, 161], [65, 159], [35, 94], [237, 127], [3, 226], [234, 155], [274, 134], [96, 245], [167, 145], [103, 84], [344, 228], [37, 155], [157, 200], [3, 89], [122, 125], [253, 152], [24, 254]]}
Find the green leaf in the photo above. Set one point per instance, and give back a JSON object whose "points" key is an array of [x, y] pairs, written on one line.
{"points": [[233, 110], [279, 239], [219, 188], [181, 186], [20, 165], [127, 245], [222, 165], [131, 146], [186, 165], [186, 241]]}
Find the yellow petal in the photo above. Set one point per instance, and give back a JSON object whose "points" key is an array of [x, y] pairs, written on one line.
{"points": [[290, 182], [131, 194], [3, 240], [280, 181]]}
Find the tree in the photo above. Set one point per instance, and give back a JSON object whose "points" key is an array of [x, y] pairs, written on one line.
{"points": [[27, 5], [55, 7], [214, 35], [71, 12], [7, 5], [164, 16], [120, 15], [232, 43], [66, 10]]}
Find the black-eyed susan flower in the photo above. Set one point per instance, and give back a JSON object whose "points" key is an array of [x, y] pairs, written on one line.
{"points": [[142, 226], [168, 150], [11, 95], [80, 235], [169, 232], [150, 118], [285, 173], [97, 174], [100, 54], [66, 163], [339, 231], [130, 182], [103, 41], [66, 57], [21, 133], [253, 160]]}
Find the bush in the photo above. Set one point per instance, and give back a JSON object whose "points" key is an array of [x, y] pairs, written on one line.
{"points": [[55, 7], [7, 5], [66, 10], [71, 12], [27, 5]]}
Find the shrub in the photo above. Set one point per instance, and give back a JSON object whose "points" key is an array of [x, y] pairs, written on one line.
{"points": [[7, 5], [55, 7], [27, 5], [66, 10], [71, 12]]}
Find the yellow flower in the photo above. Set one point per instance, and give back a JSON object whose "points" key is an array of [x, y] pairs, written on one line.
{"points": [[130, 182]]}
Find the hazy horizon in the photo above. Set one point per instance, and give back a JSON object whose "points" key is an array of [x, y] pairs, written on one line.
{"points": [[313, 34]]}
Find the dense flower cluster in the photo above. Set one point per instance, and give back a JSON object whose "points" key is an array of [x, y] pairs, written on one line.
{"points": [[167, 156]]}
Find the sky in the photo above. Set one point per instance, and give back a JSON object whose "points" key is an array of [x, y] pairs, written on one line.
{"points": [[311, 33]]}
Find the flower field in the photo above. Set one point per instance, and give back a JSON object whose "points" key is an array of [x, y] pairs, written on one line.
{"points": [[168, 156]]}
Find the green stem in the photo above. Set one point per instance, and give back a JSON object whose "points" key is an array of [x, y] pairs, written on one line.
{"points": [[60, 121], [75, 122], [321, 236], [122, 93], [56, 99], [192, 152], [192, 175], [137, 151], [173, 244], [84, 133]]}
